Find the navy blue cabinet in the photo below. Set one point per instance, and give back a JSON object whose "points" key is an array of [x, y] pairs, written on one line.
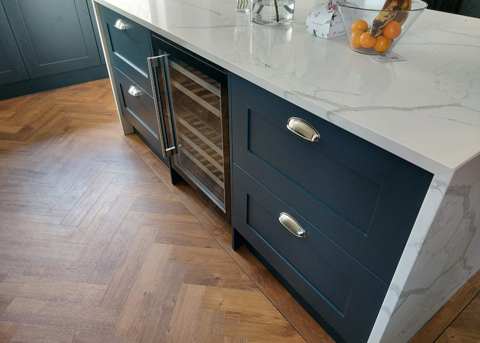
{"points": [[53, 36], [47, 44], [129, 45], [177, 103], [11, 64], [357, 203], [362, 197]]}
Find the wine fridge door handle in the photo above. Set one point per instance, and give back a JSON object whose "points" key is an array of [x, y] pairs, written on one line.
{"points": [[153, 64]]}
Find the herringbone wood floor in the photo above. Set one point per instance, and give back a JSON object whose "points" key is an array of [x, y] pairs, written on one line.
{"points": [[95, 248]]}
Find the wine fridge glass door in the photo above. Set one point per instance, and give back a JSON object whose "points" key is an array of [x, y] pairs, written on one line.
{"points": [[197, 106]]}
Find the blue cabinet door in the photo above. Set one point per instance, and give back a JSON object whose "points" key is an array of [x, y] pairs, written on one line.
{"points": [[54, 36], [11, 64]]}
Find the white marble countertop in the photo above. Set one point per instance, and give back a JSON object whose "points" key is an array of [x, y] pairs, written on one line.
{"points": [[425, 110]]}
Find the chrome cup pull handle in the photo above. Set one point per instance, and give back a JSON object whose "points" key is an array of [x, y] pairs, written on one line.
{"points": [[292, 225], [133, 91], [119, 24], [303, 129]]}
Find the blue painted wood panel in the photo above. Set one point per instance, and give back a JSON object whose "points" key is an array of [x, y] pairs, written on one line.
{"points": [[53, 36], [362, 197], [11, 64]]}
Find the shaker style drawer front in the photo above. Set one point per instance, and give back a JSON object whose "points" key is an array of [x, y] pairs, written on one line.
{"points": [[138, 107], [362, 197], [340, 289], [129, 45]]}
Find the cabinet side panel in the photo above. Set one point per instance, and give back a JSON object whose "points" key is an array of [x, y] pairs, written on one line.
{"points": [[449, 256]]}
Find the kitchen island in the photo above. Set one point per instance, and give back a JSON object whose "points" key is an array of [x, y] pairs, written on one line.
{"points": [[425, 110]]}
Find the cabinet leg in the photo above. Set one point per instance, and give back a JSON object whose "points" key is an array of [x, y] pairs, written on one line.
{"points": [[237, 239], [175, 177]]}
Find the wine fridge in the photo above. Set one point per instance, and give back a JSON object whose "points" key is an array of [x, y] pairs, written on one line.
{"points": [[191, 100]]}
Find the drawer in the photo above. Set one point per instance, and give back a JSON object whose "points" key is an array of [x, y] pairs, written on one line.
{"points": [[139, 110], [342, 291], [361, 196], [129, 48]]}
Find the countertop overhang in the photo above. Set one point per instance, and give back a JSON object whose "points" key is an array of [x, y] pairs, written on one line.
{"points": [[425, 110]]}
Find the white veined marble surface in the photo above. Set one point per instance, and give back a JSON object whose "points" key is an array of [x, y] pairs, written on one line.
{"points": [[439, 258], [426, 109]]}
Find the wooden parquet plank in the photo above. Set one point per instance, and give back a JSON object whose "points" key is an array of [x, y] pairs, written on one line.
{"points": [[132, 179], [21, 174], [126, 274], [15, 145], [15, 250], [97, 214], [52, 290], [249, 303], [202, 256], [42, 334], [154, 219], [184, 317], [33, 214], [117, 251], [89, 337], [72, 167], [7, 330], [15, 187], [5, 301], [465, 328], [60, 315], [9, 201], [140, 297], [49, 268], [220, 275], [156, 192], [170, 206], [12, 231], [88, 200], [79, 187], [155, 326], [181, 233], [209, 326], [260, 332], [234, 340], [106, 230]]}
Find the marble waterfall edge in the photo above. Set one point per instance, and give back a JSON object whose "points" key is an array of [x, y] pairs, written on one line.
{"points": [[446, 257]]}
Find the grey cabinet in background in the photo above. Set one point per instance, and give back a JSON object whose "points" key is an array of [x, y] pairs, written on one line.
{"points": [[11, 64]]}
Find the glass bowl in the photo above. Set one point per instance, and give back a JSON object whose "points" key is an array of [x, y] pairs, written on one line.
{"points": [[383, 28]]}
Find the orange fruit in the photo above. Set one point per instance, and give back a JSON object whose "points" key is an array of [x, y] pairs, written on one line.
{"points": [[355, 39], [392, 30], [359, 25], [367, 40], [382, 44]]}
